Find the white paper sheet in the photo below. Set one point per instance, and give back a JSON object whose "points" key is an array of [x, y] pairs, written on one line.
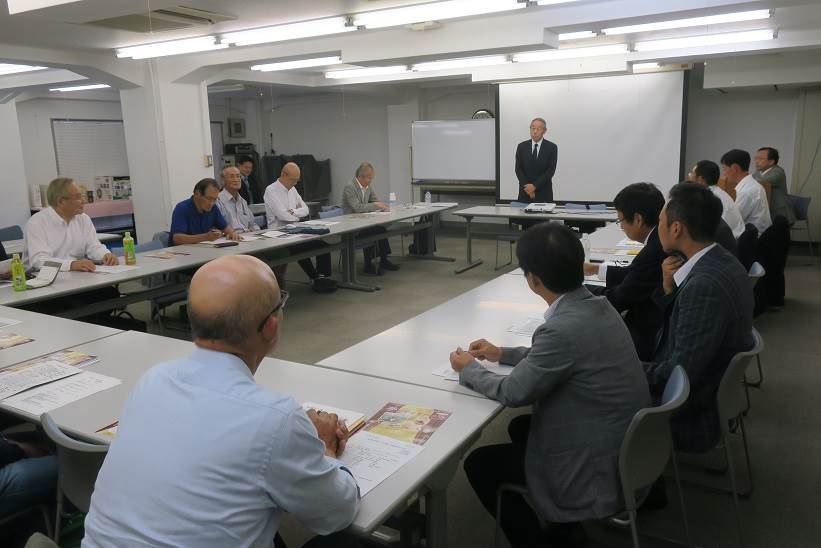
{"points": [[447, 372], [115, 269], [56, 394], [5, 322], [279, 234], [628, 243], [14, 380], [320, 222], [526, 328], [594, 280], [350, 417], [371, 458]]}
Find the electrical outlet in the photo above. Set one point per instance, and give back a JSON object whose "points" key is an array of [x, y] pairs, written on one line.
{"points": [[208, 160]]}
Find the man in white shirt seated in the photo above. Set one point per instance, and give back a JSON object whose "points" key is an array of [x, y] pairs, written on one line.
{"points": [[232, 205], [750, 196], [284, 205], [206, 457], [707, 173], [63, 233]]}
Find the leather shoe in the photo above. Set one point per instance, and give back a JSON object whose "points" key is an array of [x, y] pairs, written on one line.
{"points": [[385, 264]]}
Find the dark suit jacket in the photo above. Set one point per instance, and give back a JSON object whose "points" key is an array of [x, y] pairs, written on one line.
{"points": [[539, 172], [584, 380], [630, 289], [709, 320], [725, 238], [3, 255]]}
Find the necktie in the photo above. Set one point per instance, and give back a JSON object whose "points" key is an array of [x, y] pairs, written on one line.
{"points": [[535, 150]]}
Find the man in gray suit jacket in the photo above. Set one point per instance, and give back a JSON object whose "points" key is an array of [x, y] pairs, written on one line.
{"points": [[359, 197], [585, 382], [708, 303], [768, 171]]}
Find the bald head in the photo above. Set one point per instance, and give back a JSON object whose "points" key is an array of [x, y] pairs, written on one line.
{"points": [[229, 297], [289, 176]]}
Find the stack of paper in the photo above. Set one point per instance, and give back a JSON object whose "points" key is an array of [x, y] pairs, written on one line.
{"points": [[527, 327], [56, 394], [115, 269], [447, 372], [9, 340], [18, 378]]}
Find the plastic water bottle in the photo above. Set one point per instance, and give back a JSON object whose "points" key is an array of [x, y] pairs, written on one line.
{"points": [[128, 249], [428, 197], [392, 200], [586, 245], [18, 273]]}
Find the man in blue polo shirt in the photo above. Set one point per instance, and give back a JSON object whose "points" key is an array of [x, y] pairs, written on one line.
{"points": [[196, 219]]}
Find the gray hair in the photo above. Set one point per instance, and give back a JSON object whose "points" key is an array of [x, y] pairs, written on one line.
{"points": [[539, 120], [57, 190], [235, 324], [360, 171]]}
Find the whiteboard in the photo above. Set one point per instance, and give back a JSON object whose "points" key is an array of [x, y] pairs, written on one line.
{"points": [[460, 150], [89, 148], [611, 131]]}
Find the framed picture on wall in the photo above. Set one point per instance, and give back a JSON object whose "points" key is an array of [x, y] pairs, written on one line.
{"points": [[236, 127]]}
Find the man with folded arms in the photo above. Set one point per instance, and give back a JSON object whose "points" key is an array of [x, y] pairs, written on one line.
{"points": [[206, 457], [63, 233], [585, 382], [196, 220]]}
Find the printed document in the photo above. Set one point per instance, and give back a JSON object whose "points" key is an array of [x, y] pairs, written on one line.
{"points": [[56, 394]]}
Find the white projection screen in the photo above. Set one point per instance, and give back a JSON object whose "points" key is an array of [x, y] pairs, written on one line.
{"points": [[611, 131]]}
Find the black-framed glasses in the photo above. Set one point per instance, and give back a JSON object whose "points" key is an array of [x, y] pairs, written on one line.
{"points": [[283, 298]]}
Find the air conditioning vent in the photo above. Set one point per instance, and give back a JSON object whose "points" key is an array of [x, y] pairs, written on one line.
{"points": [[179, 17]]}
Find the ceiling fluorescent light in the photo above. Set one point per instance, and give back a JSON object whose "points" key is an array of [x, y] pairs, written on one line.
{"points": [[290, 31], [577, 35], [368, 71], [553, 2], [173, 47], [569, 53], [448, 64], [645, 66], [298, 63], [432, 11], [81, 88], [706, 40], [19, 6], [691, 22], [14, 69]]}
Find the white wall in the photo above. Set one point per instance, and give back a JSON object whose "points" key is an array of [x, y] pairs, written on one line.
{"points": [[457, 103], [807, 181], [346, 129], [34, 117], [221, 108], [14, 207]]}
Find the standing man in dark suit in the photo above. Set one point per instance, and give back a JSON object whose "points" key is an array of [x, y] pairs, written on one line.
{"points": [[630, 288], [708, 302], [246, 166], [535, 165]]}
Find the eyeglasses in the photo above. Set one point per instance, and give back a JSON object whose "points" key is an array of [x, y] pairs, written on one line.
{"points": [[283, 298]]}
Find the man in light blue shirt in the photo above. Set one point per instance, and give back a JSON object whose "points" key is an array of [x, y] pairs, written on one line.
{"points": [[204, 456]]}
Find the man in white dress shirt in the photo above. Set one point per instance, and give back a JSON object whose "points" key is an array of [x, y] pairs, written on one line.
{"points": [[63, 233], [204, 456], [750, 196], [284, 205], [231, 204], [707, 173]]}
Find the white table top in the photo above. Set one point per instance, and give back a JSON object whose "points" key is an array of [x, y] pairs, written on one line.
{"points": [[410, 351], [559, 213], [50, 334], [76, 282], [128, 355]]}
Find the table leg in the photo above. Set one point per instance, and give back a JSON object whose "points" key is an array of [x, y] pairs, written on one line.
{"points": [[349, 266], [470, 262], [430, 242]]}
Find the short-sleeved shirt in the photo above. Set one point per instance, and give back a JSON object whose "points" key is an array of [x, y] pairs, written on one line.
{"points": [[186, 219]]}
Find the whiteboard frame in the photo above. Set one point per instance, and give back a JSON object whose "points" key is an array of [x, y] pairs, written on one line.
{"points": [[496, 151]]}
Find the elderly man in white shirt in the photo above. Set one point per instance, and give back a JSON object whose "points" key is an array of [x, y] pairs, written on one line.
{"points": [[284, 205], [706, 173], [231, 204], [750, 196], [63, 233]]}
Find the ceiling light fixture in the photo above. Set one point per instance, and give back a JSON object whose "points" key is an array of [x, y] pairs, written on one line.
{"points": [[706, 40], [20, 6], [81, 88], [691, 22], [289, 31], [432, 11], [645, 66], [577, 35], [367, 71], [298, 63], [553, 2], [467, 62], [173, 47], [6, 68], [568, 53]]}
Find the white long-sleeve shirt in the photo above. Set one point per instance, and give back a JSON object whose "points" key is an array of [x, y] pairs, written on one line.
{"points": [[730, 213], [282, 205], [751, 199], [48, 237]]}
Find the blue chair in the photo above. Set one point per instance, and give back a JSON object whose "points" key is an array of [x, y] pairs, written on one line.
{"points": [[153, 245], [162, 237], [261, 221], [13, 232], [510, 237], [160, 304], [335, 211], [801, 206]]}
